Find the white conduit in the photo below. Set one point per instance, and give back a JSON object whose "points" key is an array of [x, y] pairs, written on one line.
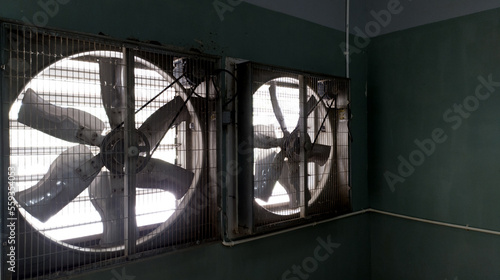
{"points": [[347, 39], [236, 242], [466, 227]]}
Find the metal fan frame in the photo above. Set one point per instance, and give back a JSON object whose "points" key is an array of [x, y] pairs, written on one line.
{"points": [[322, 108], [25, 51], [198, 152], [334, 198]]}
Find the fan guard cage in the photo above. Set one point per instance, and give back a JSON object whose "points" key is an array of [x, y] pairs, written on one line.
{"points": [[65, 70], [298, 169]]}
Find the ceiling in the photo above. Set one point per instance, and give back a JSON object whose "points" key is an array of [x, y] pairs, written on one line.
{"points": [[331, 13]]}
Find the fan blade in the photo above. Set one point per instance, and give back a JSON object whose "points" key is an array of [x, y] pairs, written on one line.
{"points": [[68, 124], [310, 105], [267, 172], [172, 113], [277, 110], [111, 74], [71, 173], [107, 196], [159, 174], [292, 184], [265, 138], [319, 154]]}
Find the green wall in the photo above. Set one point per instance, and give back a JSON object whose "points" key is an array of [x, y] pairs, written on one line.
{"points": [[252, 33], [429, 107], [403, 249], [267, 258]]}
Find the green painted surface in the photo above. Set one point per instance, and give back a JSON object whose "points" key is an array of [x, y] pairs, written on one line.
{"points": [[403, 249], [246, 31], [418, 79], [251, 33], [268, 258]]}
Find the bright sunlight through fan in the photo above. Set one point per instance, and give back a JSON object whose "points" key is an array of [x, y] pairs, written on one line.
{"points": [[277, 145], [67, 137]]}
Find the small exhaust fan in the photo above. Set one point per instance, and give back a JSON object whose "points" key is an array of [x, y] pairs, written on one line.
{"points": [[284, 165], [299, 167]]}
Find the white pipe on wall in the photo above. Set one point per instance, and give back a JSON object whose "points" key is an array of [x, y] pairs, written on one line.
{"points": [[466, 227], [231, 243], [347, 57]]}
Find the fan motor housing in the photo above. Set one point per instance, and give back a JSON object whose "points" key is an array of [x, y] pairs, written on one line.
{"points": [[113, 151]]}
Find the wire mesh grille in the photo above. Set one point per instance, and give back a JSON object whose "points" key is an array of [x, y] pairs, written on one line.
{"points": [[301, 146], [66, 96]]}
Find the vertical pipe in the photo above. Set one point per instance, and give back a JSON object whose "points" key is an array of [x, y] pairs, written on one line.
{"points": [[347, 55], [130, 156]]}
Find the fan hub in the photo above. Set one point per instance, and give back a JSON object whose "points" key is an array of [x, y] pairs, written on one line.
{"points": [[113, 151], [291, 145]]}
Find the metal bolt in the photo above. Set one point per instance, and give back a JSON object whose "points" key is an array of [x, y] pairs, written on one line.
{"points": [[133, 151]]}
